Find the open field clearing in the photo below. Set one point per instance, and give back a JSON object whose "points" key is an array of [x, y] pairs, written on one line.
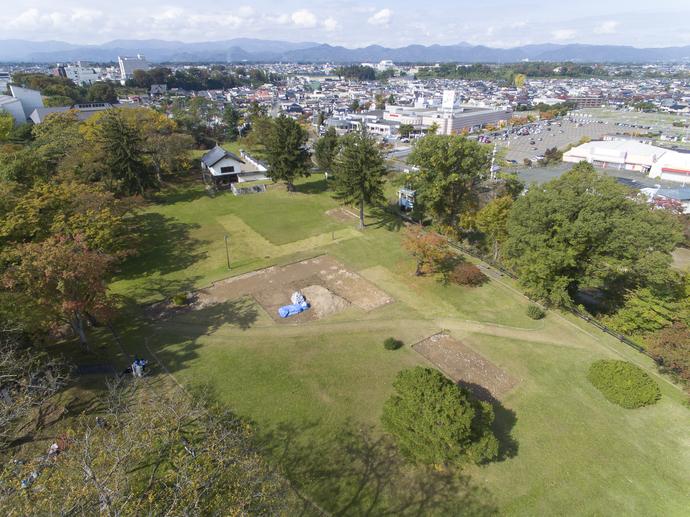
{"points": [[313, 389]]}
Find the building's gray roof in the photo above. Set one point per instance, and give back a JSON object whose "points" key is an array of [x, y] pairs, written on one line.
{"points": [[39, 114], [681, 193], [217, 154]]}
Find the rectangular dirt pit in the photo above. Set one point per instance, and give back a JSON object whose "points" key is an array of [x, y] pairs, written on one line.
{"points": [[273, 286], [466, 367]]}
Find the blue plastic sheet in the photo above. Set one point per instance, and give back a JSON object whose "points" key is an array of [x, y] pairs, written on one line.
{"points": [[289, 310]]}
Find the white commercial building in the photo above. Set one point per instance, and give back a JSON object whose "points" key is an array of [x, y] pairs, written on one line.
{"points": [[449, 121], [79, 74], [129, 64], [658, 162]]}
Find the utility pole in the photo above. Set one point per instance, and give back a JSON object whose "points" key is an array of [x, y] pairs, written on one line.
{"points": [[227, 253]]}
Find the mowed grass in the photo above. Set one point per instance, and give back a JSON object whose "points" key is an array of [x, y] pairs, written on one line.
{"points": [[314, 392], [184, 237]]}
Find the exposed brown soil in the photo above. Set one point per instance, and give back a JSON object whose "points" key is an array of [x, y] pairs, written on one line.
{"points": [[326, 284], [342, 215], [466, 367]]}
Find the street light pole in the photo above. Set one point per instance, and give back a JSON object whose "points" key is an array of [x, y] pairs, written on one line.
{"points": [[227, 253]]}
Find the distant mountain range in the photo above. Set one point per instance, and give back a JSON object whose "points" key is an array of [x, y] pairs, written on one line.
{"points": [[255, 50]]}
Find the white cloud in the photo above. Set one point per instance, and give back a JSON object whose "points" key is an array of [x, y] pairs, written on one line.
{"points": [[489, 31], [563, 34], [383, 17], [304, 18], [606, 28], [245, 12], [518, 25], [330, 24], [231, 21], [283, 19], [27, 17]]}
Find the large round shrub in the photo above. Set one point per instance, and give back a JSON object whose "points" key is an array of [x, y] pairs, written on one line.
{"points": [[437, 422], [623, 383], [180, 299]]}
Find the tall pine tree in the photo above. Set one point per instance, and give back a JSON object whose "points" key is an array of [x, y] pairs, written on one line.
{"points": [[285, 152], [359, 172], [126, 172]]}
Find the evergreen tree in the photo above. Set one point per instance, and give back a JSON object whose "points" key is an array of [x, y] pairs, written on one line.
{"points": [[326, 149], [359, 172], [285, 152], [126, 173], [436, 422]]}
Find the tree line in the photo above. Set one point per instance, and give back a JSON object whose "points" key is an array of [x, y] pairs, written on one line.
{"points": [[508, 71], [582, 239], [217, 78]]}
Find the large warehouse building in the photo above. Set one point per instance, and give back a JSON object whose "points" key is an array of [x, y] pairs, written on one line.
{"points": [[656, 161]]}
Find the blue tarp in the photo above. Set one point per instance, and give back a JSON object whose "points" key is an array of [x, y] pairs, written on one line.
{"points": [[289, 310]]}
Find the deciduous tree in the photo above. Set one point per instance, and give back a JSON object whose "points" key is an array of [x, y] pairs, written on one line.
{"points": [[405, 129], [63, 281], [672, 345], [493, 219], [436, 422], [359, 172], [6, 125], [450, 174], [153, 454], [584, 229], [28, 378], [102, 92], [427, 247], [70, 208]]}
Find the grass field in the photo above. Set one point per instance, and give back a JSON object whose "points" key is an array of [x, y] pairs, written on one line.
{"points": [[314, 392]]}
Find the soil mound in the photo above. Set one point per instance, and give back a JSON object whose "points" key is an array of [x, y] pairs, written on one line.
{"points": [[322, 301]]}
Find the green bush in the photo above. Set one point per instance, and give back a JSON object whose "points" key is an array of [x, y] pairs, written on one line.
{"points": [[623, 383], [535, 312], [391, 344], [180, 299]]}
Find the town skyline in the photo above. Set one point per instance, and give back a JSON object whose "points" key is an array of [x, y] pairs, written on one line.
{"points": [[353, 24]]}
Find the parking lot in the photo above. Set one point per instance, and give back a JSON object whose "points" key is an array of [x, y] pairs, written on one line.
{"points": [[520, 147]]}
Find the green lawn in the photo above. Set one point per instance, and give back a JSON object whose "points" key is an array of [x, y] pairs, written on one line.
{"points": [[314, 392]]}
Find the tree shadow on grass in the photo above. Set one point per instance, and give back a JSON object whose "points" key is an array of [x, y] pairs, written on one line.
{"points": [[387, 219], [359, 472], [168, 247], [312, 186], [240, 312], [503, 424], [502, 427]]}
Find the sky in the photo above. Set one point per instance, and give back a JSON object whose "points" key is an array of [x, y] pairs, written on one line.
{"points": [[353, 23]]}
